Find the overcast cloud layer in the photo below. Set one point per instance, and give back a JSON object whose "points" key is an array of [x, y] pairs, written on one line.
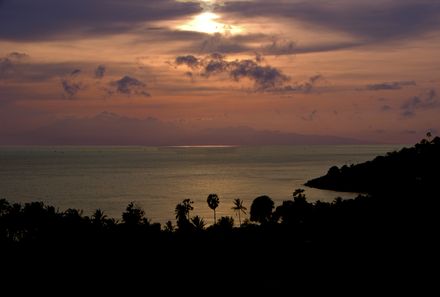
{"points": [[55, 19], [366, 19]]}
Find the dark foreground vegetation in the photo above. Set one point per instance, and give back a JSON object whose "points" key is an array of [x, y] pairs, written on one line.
{"points": [[415, 168], [383, 242]]}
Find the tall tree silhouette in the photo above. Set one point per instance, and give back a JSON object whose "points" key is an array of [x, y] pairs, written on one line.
{"points": [[239, 208], [133, 215], [261, 209], [213, 202], [182, 212]]}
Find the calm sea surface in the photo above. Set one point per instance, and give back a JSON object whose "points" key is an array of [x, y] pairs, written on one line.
{"points": [[157, 178]]}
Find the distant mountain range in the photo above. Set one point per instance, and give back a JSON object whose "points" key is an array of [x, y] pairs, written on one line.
{"points": [[111, 129]]}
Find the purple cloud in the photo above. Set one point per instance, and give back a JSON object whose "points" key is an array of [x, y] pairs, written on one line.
{"points": [[128, 85]]}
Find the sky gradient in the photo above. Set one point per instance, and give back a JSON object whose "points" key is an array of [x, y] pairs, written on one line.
{"points": [[162, 72]]}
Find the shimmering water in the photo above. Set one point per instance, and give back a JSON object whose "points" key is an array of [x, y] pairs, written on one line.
{"points": [[158, 178]]}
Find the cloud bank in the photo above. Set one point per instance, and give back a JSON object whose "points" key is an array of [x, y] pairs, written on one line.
{"points": [[264, 77], [426, 101], [396, 85], [54, 19], [368, 20]]}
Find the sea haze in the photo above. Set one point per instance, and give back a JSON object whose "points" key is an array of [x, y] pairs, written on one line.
{"points": [[157, 178]]}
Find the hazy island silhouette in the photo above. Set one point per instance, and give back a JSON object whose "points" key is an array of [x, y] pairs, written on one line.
{"points": [[383, 238]]}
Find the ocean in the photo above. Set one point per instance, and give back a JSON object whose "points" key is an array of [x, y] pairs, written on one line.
{"points": [[157, 178]]}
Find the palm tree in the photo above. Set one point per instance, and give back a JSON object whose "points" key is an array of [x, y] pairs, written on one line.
{"points": [[239, 208], [187, 205], [213, 202], [198, 223], [99, 218], [182, 212]]}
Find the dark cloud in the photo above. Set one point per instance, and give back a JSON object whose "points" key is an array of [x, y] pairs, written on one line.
{"points": [[225, 44], [72, 84], [427, 101], [100, 71], [269, 45], [386, 107], [368, 20], [189, 60], [396, 85], [54, 19], [214, 64], [8, 63], [279, 47], [75, 72], [301, 87], [265, 77], [71, 88], [128, 85]]}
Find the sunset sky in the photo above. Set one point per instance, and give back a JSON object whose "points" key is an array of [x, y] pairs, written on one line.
{"points": [[73, 71]]}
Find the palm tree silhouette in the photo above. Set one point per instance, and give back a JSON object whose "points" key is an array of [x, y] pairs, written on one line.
{"points": [[239, 208], [99, 218], [187, 206], [198, 223], [182, 211], [213, 202]]}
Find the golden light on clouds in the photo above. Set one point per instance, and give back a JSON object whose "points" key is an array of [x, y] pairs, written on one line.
{"points": [[207, 22]]}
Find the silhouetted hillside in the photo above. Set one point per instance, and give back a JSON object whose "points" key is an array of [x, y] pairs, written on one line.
{"points": [[409, 169]]}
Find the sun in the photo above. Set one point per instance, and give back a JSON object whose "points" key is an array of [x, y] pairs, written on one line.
{"points": [[206, 22]]}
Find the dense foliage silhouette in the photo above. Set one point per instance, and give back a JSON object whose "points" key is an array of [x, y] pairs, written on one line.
{"points": [[408, 169]]}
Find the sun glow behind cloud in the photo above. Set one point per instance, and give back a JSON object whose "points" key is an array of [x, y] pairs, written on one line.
{"points": [[209, 22], [206, 22]]}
